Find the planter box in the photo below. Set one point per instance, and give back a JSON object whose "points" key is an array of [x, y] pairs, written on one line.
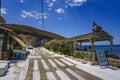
{"points": [[3, 67]]}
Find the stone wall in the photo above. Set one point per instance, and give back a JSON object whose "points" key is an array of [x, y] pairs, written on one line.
{"points": [[114, 62]]}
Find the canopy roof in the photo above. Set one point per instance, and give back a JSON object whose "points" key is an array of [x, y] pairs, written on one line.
{"points": [[14, 36], [97, 36]]}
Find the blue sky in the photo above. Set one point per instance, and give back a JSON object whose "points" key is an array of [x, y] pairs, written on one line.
{"points": [[66, 17]]}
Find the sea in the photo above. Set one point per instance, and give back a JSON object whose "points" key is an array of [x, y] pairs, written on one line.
{"points": [[106, 48]]}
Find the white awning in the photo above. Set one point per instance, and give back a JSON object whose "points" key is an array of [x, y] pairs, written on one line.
{"points": [[17, 39]]}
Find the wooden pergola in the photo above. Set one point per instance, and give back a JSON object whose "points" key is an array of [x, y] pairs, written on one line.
{"points": [[92, 38], [97, 35]]}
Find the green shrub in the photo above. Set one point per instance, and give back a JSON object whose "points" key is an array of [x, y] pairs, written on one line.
{"points": [[58, 50], [54, 49], [89, 57], [64, 50], [47, 47], [79, 55]]}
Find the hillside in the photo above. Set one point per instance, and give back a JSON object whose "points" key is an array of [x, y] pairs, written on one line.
{"points": [[28, 30]]}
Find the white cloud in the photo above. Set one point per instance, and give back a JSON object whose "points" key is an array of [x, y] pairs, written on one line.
{"points": [[3, 11], [60, 10], [49, 9], [51, 5], [47, 1], [66, 3], [54, 0], [23, 15], [73, 3], [33, 14], [21, 1], [66, 6], [77, 1], [40, 22]]}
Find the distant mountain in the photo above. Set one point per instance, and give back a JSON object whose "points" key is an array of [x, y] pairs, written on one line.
{"points": [[28, 30]]}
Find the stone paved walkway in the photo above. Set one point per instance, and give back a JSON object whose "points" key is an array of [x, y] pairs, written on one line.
{"points": [[43, 65]]}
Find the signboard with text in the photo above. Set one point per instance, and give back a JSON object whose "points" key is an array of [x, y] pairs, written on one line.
{"points": [[102, 58]]}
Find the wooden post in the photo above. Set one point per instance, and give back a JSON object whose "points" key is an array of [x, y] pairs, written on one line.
{"points": [[80, 45], [5, 41], [111, 45], [50, 47], [92, 40], [74, 46], [1, 42], [10, 43], [59, 44]]}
